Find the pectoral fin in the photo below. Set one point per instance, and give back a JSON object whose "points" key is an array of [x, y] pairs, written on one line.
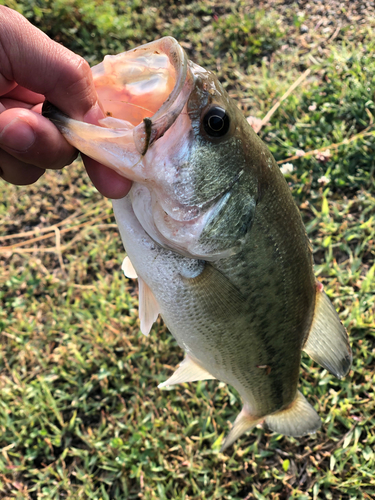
{"points": [[188, 371], [148, 307], [128, 269], [328, 342], [297, 420], [217, 295]]}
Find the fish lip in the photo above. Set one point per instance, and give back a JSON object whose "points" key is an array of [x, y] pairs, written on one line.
{"points": [[154, 127]]}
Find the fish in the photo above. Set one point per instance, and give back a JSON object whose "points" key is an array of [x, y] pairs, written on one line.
{"points": [[213, 235]]}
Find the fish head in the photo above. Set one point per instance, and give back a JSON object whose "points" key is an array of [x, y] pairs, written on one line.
{"points": [[172, 128]]}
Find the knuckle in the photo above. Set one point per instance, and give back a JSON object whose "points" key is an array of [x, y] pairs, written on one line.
{"points": [[63, 157], [81, 84]]}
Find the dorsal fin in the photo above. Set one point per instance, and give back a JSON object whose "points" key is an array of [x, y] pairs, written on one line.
{"points": [[148, 307], [188, 371], [128, 269], [328, 342]]}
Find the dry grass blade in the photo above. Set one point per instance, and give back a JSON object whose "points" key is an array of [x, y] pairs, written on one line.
{"points": [[85, 213], [276, 106], [41, 230], [58, 250], [314, 152], [53, 233]]}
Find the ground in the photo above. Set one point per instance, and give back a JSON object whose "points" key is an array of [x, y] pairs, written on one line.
{"points": [[80, 412]]}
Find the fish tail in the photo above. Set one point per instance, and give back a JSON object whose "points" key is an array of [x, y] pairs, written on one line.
{"points": [[298, 419]]}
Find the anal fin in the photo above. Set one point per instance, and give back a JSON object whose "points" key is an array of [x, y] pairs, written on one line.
{"points": [[148, 307], [128, 269], [244, 422], [188, 371], [328, 342], [298, 419]]}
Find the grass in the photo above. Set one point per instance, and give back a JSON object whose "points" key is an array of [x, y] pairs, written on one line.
{"points": [[80, 413]]}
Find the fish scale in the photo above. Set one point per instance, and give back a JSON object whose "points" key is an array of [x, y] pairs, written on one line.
{"points": [[212, 232]]}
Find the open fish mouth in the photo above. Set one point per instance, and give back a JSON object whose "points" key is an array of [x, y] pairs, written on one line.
{"points": [[142, 92]]}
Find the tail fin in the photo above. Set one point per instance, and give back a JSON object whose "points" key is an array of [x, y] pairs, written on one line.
{"points": [[328, 342], [297, 420]]}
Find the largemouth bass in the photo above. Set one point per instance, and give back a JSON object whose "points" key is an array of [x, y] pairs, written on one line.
{"points": [[213, 235]]}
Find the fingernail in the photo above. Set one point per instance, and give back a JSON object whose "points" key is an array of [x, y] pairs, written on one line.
{"points": [[17, 135], [95, 114]]}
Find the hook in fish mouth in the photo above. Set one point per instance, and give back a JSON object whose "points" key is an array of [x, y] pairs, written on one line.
{"points": [[142, 92]]}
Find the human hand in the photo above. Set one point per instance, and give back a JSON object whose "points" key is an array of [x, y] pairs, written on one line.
{"points": [[34, 68]]}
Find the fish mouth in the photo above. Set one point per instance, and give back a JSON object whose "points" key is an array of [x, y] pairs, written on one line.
{"points": [[142, 93], [143, 86]]}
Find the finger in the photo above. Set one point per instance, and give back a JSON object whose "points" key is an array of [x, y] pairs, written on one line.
{"points": [[63, 77], [25, 95], [6, 85], [37, 108], [17, 172], [45, 66], [106, 180], [12, 103], [33, 139]]}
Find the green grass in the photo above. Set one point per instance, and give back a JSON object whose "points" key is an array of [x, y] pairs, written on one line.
{"points": [[80, 413]]}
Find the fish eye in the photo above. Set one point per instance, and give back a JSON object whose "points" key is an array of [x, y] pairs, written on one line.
{"points": [[216, 122]]}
